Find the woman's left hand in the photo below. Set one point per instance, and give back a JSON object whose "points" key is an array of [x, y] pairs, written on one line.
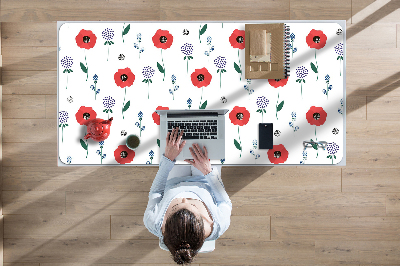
{"points": [[172, 149]]}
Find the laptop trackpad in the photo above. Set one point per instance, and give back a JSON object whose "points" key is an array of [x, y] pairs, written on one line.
{"points": [[186, 152]]}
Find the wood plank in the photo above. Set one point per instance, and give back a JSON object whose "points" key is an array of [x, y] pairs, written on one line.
{"points": [[29, 34], [148, 251], [53, 226], [368, 12], [393, 204], [51, 107], [338, 9], [34, 58], [241, 227], [373, 132], [335, 228], [21, 264], [24, 106], [49, 10], [397, 35], [362, 40], [33, 202], [308, 204], [110, 264], [30, 154], [371, 180], [363, 252], [356, 108], [203, 10], [110, 203], [40, 130], [361, 155], [359, 5], [29, 82], [108, 178], [383, 108]]}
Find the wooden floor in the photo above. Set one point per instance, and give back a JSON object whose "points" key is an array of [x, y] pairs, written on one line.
{"points": [[281, 215]]}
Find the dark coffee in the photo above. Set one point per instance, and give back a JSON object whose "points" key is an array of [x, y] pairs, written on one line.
{"points": [[133, 141]]}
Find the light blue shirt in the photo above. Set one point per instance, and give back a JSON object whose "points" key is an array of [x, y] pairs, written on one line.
{"points": [[209, 188]]}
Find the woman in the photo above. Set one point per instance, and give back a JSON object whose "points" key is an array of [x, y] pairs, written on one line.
{"points": [[187, 210]]}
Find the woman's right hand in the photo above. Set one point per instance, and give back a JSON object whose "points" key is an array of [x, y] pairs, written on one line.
{"points": [[200, 160]]}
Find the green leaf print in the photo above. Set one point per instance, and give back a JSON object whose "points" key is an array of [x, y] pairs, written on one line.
{"points": [[237, 145], [237, 68], [204, 105], [84, 69], [126, 107], [280, 106], [83, 144], [313, 67], [160, 68], [126, 30], [203, 30], [158, 142]]}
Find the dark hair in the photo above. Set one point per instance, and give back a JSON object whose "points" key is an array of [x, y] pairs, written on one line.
{"points": [[184, 235]]}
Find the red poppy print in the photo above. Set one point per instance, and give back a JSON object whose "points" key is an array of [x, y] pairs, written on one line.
{"points": [[316, 39], [156, 117], [316, 116], [162, 39], [86, 39], [278, 154], [239, 116], [278, 82], [237, 39], [85, 114], [124, 77], [123, 154], [201, 77]]}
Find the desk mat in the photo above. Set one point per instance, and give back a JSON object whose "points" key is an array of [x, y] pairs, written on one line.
{"points": [[160, 64]]}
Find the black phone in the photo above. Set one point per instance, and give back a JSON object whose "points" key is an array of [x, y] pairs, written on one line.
{"points": [[265, 136]]}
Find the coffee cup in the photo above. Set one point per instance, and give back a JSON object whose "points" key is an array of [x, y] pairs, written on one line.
{"points": [[132, 142]]}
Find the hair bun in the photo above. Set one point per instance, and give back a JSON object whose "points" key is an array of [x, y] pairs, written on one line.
{"points": [[184, 246]]}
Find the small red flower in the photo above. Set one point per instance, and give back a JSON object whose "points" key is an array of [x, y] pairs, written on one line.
{"points": [[156, 117], [278, 82], [162, 39], [239, 116], [85, 114], [86, 39], [316, 39], [316, 116], [278, 154], [123, 154], [201, 77], [237, 39], [124, 77]]}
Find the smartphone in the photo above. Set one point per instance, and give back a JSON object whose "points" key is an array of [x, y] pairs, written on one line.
{"points": [[265, 136]]}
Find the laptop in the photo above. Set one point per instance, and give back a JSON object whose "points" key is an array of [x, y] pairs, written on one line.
{"points": [[204, 127]]}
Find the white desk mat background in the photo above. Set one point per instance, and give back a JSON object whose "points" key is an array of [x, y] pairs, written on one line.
{"points": [[71, 151]]}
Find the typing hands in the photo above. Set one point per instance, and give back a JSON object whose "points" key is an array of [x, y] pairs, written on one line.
{"points": [[174, 147], [200, 160]]}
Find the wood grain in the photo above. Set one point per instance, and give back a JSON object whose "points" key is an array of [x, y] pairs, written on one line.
{"points": [[51, 226], [51, 107], [107, 178], [147, 251], [40, 130], [24, 106], [203, 10], [373, 132], [30, 58], [308, 204], [356, 108], [110, 203], [368, 252], [338, 10], [49, 10], [370, 180], [33, 202], [360, 155], [336, 228], [30, 82], [383, 108], [29, 34], [241, 227], [30, 154], [393, 204]]}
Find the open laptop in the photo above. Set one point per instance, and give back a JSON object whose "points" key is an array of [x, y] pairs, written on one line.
{"points": [[204, 127]]}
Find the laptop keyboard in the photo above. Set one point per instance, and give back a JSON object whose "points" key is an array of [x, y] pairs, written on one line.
{"points": [[196, 129]]}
